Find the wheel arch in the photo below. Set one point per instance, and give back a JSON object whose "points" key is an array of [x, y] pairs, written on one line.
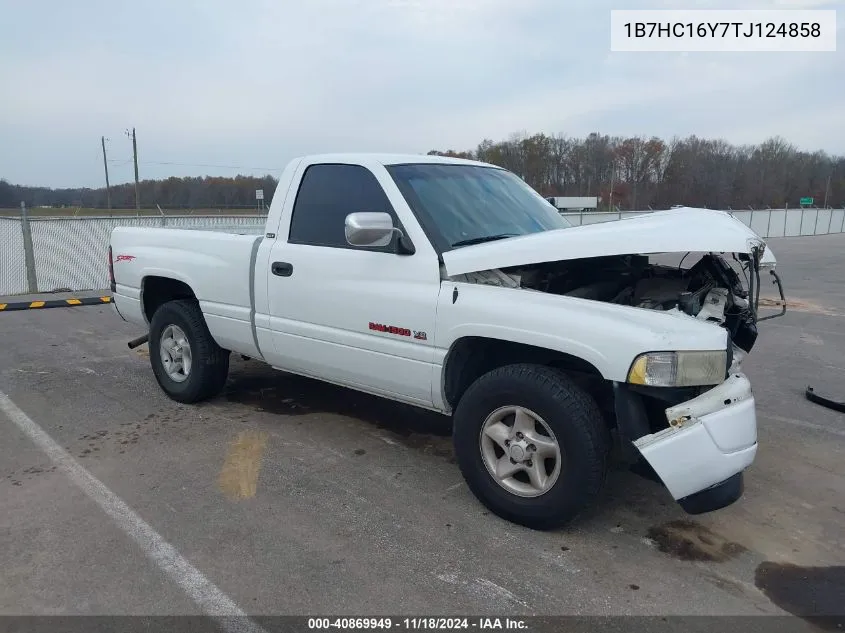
{"points": [[470, 357], [158, 289]]}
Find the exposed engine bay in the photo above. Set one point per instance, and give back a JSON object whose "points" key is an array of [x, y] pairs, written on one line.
{"points": [[711, 290]]}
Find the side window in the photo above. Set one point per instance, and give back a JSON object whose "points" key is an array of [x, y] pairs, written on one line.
{"points": [[327, 194]]}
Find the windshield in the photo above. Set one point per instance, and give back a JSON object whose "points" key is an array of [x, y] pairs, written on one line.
{"points": [[459, 205]]}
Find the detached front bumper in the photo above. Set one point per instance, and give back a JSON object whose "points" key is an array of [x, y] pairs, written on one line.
{"points": [[710, 441]]}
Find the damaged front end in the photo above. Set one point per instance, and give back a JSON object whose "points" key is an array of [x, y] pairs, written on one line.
{"points": [[695, 432], [711, 290], [697, 442]]}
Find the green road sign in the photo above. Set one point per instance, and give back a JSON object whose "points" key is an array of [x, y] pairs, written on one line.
{"points": [[806, 201]]}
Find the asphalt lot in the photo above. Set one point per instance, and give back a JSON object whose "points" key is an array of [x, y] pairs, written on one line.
{"points": [[294, 497]]}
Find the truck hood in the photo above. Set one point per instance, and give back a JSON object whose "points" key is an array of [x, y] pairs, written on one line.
{"points": [[674, 231]]}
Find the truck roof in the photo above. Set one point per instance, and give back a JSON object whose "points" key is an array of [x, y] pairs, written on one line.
{"points": [[390, 159]]}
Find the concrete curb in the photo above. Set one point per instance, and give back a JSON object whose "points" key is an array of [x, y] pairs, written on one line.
{"points": [[55, 303]]}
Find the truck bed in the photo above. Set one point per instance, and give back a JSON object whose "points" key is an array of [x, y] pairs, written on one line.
{"points": [[218, 266]]}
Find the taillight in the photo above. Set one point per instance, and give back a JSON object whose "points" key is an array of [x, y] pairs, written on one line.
{"points": [[112, 284]]}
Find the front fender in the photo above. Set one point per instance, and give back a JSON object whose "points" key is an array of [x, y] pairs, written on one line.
{"points": [[607, 336]]}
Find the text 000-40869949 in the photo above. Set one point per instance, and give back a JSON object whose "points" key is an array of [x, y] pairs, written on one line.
{"points": [[731, 30]]}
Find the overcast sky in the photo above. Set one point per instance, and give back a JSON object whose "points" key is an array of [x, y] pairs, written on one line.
{"points": [[222, 87]]}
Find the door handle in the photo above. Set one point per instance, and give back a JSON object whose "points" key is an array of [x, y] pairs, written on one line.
{"points": [[282, 269]]}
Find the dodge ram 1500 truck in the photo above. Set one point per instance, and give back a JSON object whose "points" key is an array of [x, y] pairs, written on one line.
{"points": [[452, 285]]}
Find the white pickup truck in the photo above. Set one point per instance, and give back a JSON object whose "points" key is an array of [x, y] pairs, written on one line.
{"points": [[452, 285]]}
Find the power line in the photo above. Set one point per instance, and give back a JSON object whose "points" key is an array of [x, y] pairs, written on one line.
{"points": [[207, 165], [213, 166], [151, 162]]}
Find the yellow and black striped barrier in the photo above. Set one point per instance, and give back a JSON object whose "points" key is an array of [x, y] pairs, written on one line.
{"points": [[55, 303]]}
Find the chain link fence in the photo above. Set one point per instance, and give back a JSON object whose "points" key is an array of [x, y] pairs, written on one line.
{"points": [[12, 257], [765, 222], [70, 253]]}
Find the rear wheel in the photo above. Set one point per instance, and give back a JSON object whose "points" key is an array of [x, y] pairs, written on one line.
{"points": [[531, 445], [187, 363]]}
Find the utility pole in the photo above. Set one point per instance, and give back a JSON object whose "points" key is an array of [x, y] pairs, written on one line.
{"points": [[612, 175], [106, 167], [135, 156]]}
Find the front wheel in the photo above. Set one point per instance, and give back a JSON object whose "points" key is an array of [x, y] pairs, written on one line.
{"points": [[531, 445], [187, 362]]}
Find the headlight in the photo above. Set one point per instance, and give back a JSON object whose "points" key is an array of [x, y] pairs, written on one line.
{"points": [[679, 369]]}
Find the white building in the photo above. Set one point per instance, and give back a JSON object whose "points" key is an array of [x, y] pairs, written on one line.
{"points": [[563, 203]]}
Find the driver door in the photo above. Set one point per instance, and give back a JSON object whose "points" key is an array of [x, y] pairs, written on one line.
{"points": [[356, 316]]}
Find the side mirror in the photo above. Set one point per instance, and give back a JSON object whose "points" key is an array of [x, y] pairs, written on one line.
{"points": [[369, 229]]}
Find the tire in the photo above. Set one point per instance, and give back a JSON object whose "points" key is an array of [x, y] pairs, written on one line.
{"points": [[576, 427], [208, 362]]}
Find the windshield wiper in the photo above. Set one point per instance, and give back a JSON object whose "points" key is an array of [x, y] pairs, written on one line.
{"points": [[486, 238]]}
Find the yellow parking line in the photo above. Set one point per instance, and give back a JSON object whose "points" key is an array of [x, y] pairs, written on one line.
{"points": [[37, 304], [73, 302]]}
